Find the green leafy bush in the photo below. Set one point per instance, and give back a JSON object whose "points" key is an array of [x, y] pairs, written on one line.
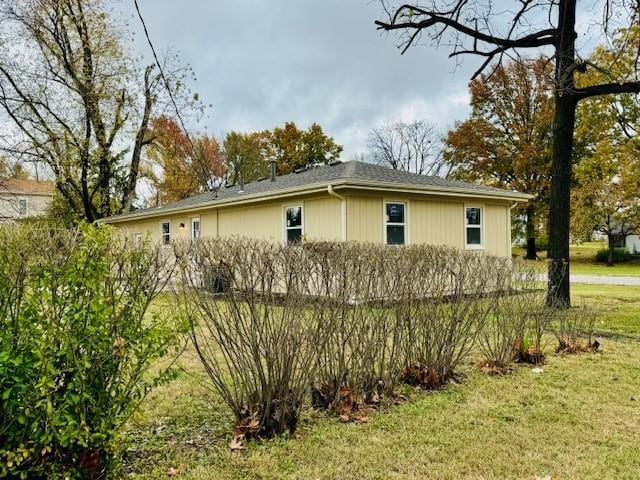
{"points": [[619, 255], [76, 344]]}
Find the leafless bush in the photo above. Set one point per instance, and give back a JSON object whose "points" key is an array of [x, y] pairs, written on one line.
{"points": [[258, 337], [517, 319], [360, 360], [345, 321], [449, 299], [573, 329]]}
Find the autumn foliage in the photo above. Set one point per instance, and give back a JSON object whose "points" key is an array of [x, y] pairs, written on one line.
{"points": [[181, 166]]}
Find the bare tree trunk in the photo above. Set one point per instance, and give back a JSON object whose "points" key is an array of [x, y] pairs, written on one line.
{"points": [[612, 246], [559, 220], [563, 127], [531, 233]]}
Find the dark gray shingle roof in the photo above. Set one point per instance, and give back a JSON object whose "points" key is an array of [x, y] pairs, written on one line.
{"points": [[352, 172]]}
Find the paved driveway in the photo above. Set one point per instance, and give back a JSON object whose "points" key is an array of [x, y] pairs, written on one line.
{"points": [[605, 280]]}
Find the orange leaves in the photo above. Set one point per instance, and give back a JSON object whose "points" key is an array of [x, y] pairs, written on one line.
{"points": [[187, 166]]}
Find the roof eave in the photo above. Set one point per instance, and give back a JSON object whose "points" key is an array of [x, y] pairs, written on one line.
{"points": [[319, 187]]}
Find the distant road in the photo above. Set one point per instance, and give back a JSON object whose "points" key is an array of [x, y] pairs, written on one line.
{"points": [[601, 279], [605, 280]]}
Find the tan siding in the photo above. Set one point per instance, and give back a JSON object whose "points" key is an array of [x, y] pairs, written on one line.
{"points": [[209, 223], [322, 219], [436, 222], [364, 219], [495, 230], [262, 222], [432, 220]]}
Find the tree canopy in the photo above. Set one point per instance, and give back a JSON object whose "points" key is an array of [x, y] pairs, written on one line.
{"points": [[187, 165], [507, 139], [77, 100]]}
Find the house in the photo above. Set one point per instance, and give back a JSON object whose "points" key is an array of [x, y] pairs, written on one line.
{"points": [[24, 198], [632, 244], [342, 201]]}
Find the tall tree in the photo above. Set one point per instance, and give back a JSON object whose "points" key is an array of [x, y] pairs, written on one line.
{"points": [[248, 154], [245, 156], [411, 147], [76, 100], [507, 139], [491, 32], [188, 165], [607, 199], [607, 180], [293, 148]]}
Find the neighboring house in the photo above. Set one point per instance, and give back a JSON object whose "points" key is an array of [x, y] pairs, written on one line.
{"points": [[632, 243], [343, 201], [24, 198]]}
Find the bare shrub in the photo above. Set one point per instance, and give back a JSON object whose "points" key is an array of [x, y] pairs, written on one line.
{"points": [[359, 362], [448, 302], [257, 337], [573, 329], [517, 319]]}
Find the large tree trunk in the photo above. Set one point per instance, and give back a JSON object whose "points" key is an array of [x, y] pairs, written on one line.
{"points": [[558, 289], [531, 233], [558, 294], [612, 246]]}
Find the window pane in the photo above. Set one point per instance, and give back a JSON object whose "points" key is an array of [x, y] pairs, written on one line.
{"points": [[395, 235], [166, 239], [195, 229], [473, 216], [22, 206], [395, 213], [473, 236], [165, 227], [294, 235], [294, 216]]}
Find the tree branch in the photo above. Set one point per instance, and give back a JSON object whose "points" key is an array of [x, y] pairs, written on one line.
{"points": [[606, 89]]}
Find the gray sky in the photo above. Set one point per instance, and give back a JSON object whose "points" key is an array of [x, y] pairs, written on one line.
{"points": [[263, 62]]}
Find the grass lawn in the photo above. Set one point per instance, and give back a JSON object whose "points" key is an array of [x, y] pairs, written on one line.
{"points": [[583, 261], [577, 419]]}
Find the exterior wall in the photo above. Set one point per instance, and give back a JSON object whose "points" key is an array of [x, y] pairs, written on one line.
{"points": [[435, 220], [36, 205], [322, 219], [364, 219], [265, 220], [431, 220]]}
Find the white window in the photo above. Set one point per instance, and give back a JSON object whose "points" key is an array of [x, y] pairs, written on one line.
{"points": [[293, 224], [22, 207], [137, 239], [473, 227], [195, 228], [166, 233], [395, 223]]}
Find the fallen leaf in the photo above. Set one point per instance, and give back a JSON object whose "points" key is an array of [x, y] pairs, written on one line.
{"points": [[238, 443], [172, 472]]}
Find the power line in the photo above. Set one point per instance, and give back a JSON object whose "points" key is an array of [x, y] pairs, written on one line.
{"points": [[162, 75]]}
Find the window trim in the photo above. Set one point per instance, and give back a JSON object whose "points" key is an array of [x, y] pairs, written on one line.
{"points": [[284, 221], [193, 221], [26, 207], [405, 224], [137, 239], [474, 246], [162, 234]]}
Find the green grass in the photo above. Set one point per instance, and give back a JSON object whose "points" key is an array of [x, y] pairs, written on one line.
{"points": [[583, 261], [577, 419]]}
